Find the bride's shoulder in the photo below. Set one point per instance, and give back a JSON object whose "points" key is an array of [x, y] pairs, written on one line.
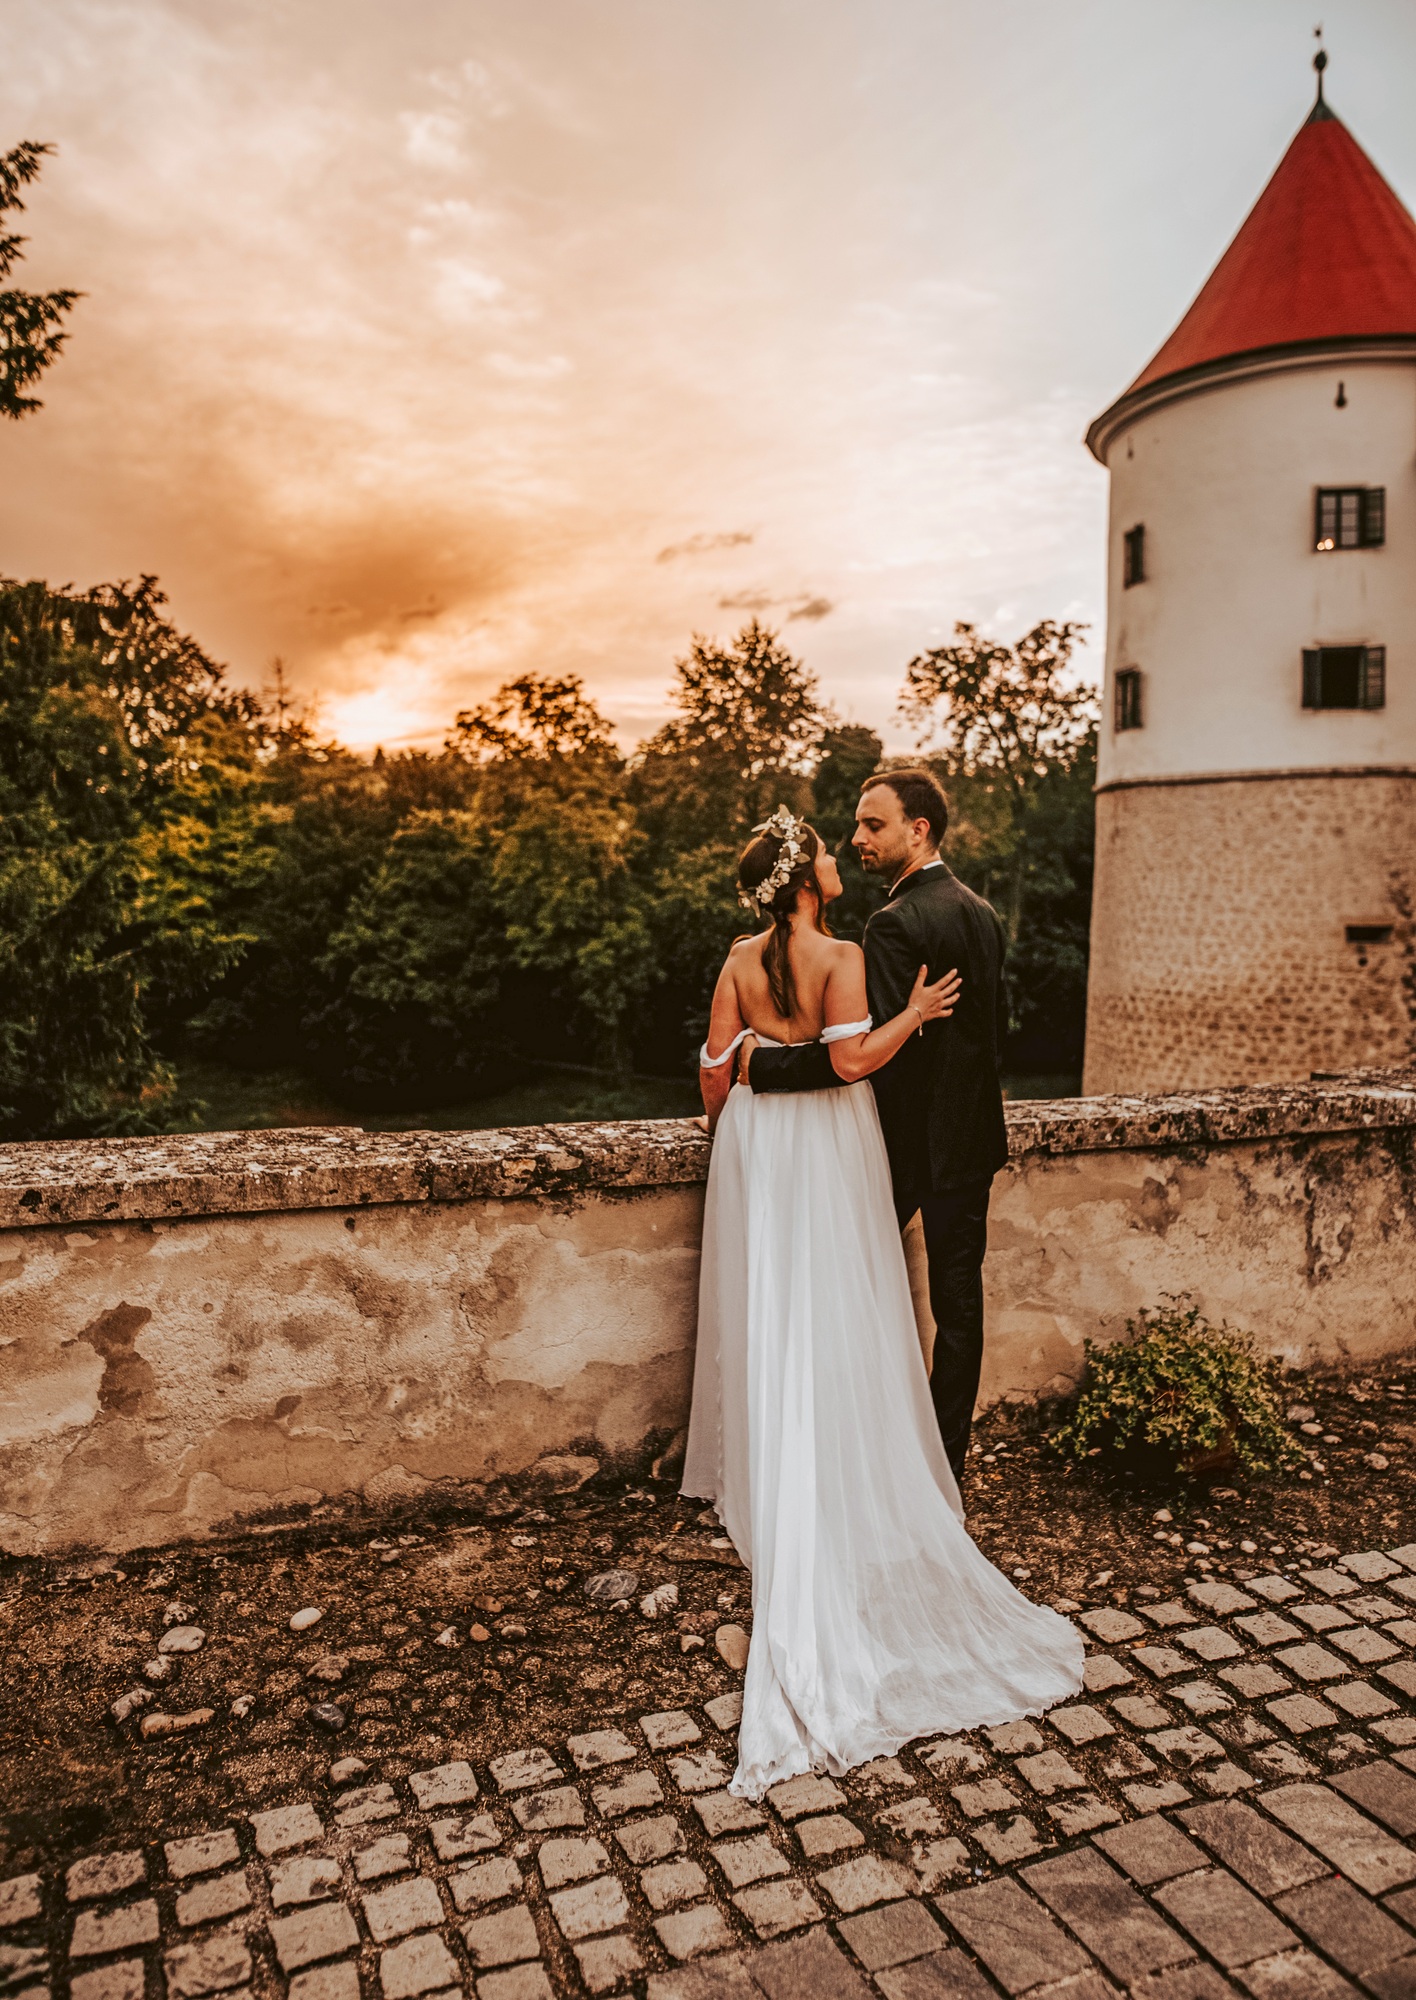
{"points": [[844, 951]]}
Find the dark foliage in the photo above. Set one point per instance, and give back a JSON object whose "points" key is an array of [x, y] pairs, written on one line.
{"points": [[30, 322], [182, 868], [110, 721]]}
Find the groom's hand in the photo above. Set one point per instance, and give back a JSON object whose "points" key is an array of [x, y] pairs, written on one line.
{"points": [[744, 1058]]}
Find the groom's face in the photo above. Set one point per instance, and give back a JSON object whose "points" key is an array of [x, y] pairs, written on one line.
{"points": [[883, 836]]}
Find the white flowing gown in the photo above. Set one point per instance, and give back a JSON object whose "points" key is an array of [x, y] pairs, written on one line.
{"points": [[875, 1617]]}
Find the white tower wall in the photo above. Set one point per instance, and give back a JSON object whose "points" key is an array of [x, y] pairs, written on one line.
{"points": [[1240, 835], [1224, 481]]}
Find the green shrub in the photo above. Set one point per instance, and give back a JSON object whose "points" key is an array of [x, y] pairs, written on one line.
{"points": [[1181, 1393]]}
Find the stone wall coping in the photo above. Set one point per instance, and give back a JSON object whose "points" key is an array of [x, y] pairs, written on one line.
{"points": [[57, 1182], [343, 1167], [1358, 1101]]}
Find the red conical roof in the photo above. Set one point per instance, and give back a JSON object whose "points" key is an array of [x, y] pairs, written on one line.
{"points": [[1327, 252]]}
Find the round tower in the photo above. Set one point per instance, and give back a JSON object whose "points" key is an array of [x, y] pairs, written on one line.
{"points": [[1256, 788]]}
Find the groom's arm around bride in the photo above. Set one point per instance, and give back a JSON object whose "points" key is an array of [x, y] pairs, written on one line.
{"points": [[940, 1099]]}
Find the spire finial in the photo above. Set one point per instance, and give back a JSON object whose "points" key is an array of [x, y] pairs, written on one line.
{"points": [[1320, 62]]}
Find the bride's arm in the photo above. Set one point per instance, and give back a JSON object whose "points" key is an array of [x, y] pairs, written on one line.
{"points": [[857, 1056], [724, 1023]]}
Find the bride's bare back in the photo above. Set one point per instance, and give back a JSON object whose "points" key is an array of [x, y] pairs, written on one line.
{"points": [[818, 964]]}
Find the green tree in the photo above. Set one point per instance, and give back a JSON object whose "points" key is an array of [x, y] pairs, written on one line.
{"points": [[536, 716], [326, 824], [745, 738], [554, 804], [414, 969], [1016, 737], [564, 841], [511, 919], [30, 322], [97, 693], [202, 867]]}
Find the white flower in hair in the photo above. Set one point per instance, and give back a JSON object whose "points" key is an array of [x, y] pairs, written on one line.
{"points": [[791, 831]]}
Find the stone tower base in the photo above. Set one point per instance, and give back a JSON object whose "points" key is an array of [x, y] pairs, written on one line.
{"points": [[1222, 945]]}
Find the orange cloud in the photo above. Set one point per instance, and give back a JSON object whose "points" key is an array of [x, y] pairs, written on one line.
{"points": [[418, 348]]}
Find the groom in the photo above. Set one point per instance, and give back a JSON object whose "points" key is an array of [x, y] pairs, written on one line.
{"points": [[940, 1099]]}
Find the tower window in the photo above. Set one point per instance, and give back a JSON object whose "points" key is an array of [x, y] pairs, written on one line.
{"points": [[1369, 933], [1350, 517], [1128, 698], [1133, 562], [1344, 677]]}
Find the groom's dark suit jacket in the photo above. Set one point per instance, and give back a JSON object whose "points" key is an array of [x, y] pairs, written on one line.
{"points": [[940, 1099]]}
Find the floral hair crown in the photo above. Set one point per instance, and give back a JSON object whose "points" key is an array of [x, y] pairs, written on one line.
{"points": [[791, 831]]}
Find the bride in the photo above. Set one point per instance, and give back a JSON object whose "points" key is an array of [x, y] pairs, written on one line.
{"points": [[875, 1618]]}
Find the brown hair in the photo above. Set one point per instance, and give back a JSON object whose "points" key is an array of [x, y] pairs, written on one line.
{"points": [[755, 864], [921, 795]]}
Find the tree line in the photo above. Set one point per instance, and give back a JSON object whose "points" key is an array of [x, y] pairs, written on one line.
{"points": [[188, 867]]}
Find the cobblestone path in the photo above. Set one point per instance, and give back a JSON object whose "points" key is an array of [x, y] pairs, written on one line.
{"points": [[1228, 1809]]}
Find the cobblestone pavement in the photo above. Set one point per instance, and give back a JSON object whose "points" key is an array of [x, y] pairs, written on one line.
{"points": [[1228, 1808]]}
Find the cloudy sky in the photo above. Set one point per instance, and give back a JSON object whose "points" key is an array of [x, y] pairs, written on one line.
{"points": [[426, 342]]}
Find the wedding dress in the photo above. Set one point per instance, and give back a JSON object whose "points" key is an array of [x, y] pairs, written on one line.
{"points": [[875, 1617]]}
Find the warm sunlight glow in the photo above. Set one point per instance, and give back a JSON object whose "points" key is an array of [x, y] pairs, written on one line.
{"points": [[421, 346]]}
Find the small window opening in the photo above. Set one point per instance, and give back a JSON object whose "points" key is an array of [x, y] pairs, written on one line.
{"points": [[1128, 698], [1369, 933], [1344, 677], [1133, 567], [1350, 517]]}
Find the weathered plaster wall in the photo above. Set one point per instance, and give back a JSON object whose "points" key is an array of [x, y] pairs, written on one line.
{"points": [[157, 1378], [1307, 1242], [199, 1330]]}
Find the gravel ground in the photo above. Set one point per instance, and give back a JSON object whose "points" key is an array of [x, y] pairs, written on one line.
{"points": [[453, 1634]]}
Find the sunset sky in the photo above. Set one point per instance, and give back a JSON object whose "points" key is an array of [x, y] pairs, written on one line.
{"points": [[426, 343]]}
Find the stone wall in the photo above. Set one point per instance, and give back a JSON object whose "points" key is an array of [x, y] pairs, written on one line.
{"points": [[1219, 929], [222, 1327]]}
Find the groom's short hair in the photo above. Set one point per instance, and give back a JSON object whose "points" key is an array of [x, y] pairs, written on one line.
{"points": [[921, 795]]}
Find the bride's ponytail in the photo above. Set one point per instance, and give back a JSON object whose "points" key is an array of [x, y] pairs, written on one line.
{"points": [[757, 867]]}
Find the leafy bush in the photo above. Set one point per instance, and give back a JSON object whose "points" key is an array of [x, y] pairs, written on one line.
{"points": [[1180, 1392]]}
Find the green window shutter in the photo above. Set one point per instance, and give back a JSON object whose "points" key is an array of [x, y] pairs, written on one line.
{"points": [[1373, 689], [1312, 677], [1374, 517]]}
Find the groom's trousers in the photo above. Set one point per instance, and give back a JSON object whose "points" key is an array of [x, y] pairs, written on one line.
{"points": [[955, 1226]]}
